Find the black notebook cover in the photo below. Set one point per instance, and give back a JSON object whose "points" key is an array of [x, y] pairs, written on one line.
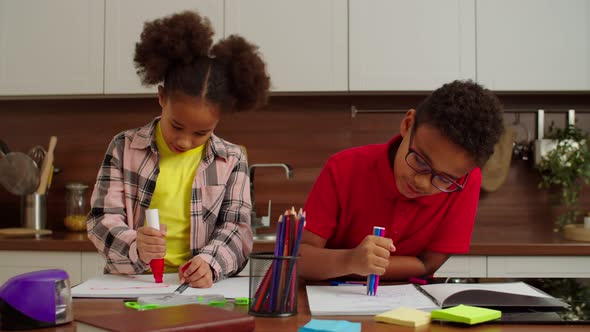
{"points": [[524, 296], [503, 301]]}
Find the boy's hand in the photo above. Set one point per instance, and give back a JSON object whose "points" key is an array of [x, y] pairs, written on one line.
{"points": [[198, 274], [371, 256], [151, 243]]}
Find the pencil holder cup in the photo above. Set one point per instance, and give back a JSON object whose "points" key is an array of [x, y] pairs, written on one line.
{"points": [[34, 211], [273, 285]]}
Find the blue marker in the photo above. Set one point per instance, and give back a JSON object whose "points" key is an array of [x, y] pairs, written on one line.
{"points": [[373, 280]]}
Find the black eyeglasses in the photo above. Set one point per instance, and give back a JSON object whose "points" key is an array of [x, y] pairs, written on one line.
{"points": [[421, 166]]}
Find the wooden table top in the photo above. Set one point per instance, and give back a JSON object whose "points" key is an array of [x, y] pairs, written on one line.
{"points": [[94, 307], [487, 240]]}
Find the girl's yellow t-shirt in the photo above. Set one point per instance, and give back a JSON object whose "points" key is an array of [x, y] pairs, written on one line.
{"points": [[172, 197]]}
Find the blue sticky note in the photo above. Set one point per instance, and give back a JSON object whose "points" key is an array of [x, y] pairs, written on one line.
{"points": [[324, 325]]}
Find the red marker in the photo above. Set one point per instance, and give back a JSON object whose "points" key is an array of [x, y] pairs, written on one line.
{"points": [[157, 265], [183, 269], [185, 285]]}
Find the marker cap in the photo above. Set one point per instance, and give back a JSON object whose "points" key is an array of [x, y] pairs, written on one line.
{"points": [[152, 218]]}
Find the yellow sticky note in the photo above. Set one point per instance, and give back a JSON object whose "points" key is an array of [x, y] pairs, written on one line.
{"points": [[404, 317], [466, 314]]}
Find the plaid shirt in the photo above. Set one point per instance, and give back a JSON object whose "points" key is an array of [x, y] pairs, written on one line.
{"points": [[220, 207]]}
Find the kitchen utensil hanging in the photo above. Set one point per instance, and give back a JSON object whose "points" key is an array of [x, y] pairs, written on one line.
{"points": [[37, 153], [47, 166], [522, 142], [3, 148], [495, 171], [18, 173]]}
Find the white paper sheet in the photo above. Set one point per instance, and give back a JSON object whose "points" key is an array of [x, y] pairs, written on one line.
{"points": [[122, 286], [352, 300]]}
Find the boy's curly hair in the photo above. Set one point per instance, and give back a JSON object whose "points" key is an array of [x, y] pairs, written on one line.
{"points": [[468, 114], [177, 51]]}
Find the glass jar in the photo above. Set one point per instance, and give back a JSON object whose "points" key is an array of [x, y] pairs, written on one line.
{"points": [[75, 207]]}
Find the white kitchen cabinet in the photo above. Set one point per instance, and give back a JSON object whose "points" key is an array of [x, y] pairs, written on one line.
{"points": [[538, 266], [463, 267], [80, 266], [398, 45], [15, 262], [304, 43], [92, 265], [533, 45], [51, 47], [124, 23]]}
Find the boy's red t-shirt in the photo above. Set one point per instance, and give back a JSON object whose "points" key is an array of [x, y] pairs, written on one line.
{"points": [[356, 190]]}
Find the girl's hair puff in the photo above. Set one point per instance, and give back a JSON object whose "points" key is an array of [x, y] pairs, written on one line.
{"points": [[176, 51], [246, 71]]}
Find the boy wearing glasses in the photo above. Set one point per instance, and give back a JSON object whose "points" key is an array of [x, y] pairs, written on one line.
{"points": [[422, 186]]}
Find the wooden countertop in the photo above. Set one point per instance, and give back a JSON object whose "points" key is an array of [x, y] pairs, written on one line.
{"points": [[58, 241], [487, 240]]}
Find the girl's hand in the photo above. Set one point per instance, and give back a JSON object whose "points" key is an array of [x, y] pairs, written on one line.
{"points": [[197, 273], [371, 256], [151, 243]]}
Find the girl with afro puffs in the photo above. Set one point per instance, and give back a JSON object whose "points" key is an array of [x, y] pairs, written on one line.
{"points": [[176, 164]]}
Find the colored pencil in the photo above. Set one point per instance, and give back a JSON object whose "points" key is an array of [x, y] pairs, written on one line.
{"points": [[291, 272], [282, 262], [275, 264], [276, 291], [262, 291]]}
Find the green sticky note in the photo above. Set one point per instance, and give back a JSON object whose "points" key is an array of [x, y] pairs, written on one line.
{"points": [[466, 314]]}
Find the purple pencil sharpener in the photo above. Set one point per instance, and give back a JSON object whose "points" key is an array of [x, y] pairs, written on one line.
{"points": [[36, 299]]}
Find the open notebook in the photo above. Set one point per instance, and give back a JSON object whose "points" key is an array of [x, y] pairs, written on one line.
{"points": [[132, 286], [352, 300]]}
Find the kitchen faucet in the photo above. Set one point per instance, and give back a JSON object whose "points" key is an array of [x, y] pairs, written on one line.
{"points": [[263, 221]]}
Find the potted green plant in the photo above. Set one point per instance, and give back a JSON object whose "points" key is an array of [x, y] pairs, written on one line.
{"points": [[564, 168], [574, 292]]}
